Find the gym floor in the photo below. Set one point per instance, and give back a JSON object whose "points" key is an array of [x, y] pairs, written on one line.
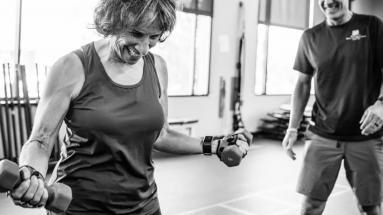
{"points": [[263, 184]]}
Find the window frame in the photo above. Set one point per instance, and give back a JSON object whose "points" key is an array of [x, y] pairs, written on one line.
{"points": [[267, 24], [196, 12]]}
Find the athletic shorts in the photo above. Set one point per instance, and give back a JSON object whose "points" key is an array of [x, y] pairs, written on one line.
{"points": [[52, 213], [363, 161]]}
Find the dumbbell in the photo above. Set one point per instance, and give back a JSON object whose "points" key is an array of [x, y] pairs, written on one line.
{"points": [[229, 151], [59, 195], [232, 156]]}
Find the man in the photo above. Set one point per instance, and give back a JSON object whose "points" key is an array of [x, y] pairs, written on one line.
{"points": [[344, 54]]}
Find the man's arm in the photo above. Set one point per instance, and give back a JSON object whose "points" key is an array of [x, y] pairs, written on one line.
{"points": [[298, 103], [299, 99], [381, 86], [372, 119]]}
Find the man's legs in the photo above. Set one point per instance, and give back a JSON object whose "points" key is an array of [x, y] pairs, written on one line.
{"points": [[371, 210], [321, 164], [365, 210], [364, 165], [312, 206]]}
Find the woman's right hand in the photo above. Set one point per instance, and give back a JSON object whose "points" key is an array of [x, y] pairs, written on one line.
{"points": [[31, 192]]}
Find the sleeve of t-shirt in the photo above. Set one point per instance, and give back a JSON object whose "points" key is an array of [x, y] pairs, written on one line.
{"points": [[302, 63], [379, 41]]}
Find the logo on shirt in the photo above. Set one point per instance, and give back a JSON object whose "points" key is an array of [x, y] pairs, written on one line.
{"points": [[355, 35]]}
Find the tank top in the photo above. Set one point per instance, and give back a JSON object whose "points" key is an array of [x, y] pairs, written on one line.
{"points": [[110, 133]]}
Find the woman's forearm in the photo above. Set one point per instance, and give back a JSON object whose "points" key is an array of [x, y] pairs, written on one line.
{"points": [[35, 153], [178, 143]]}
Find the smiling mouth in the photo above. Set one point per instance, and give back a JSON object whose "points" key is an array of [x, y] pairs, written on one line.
{"points": [[132, 52]]}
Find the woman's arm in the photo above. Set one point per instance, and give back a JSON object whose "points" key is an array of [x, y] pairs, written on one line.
{"points": [[175, 142], [63, 83], [170, 140]]}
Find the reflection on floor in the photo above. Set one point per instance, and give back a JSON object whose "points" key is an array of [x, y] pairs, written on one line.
{"points": [[263, 184]]}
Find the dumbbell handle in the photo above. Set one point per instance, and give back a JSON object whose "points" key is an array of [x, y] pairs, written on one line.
{"points": [[59, 195]]}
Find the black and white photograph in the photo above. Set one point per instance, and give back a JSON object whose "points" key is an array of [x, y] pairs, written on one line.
{"points": [[191, 107]]}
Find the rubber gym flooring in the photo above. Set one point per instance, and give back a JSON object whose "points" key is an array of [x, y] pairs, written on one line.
{"points": [[263, 184]]}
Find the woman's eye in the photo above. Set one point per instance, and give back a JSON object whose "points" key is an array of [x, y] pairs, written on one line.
{"points": [[140, 35], [137, 34], [154, 37]]}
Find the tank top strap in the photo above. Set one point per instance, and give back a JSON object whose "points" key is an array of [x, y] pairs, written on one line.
{"points": [[153, 72], [86, 56]]}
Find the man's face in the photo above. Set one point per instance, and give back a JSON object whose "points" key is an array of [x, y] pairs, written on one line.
{"points": [[334, 9]]}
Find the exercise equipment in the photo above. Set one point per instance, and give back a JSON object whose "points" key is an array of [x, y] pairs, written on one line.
{"points": [[19, 108], [27, 108], [37, 81], [7, 148], [2, 126], [59, 195], [275, 123], [229, 152], [236, 100]]}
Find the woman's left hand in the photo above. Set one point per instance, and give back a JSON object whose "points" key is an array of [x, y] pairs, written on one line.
{"points": [[244, 139]]}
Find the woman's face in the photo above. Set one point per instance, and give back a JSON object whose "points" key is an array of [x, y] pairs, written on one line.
{"points": [[135, 43]]}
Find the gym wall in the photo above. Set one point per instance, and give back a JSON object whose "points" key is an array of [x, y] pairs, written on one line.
{"points": [[374, 7], [223, 60], [205, 109]]}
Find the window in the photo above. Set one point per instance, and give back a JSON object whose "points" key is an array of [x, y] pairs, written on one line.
{"points": [[44, 40], [51, 29], [281, 24], [69, 26], [187, 53], [7, 42], [187, 50], [279, 77]]}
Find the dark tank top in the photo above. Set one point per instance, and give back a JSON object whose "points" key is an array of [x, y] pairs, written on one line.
{"points": [[111, 129]]}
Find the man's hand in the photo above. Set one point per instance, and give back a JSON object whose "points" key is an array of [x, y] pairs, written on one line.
{"points": [[289, 140], [372, 119]]}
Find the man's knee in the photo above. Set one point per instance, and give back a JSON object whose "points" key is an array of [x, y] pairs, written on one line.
{"points": [[371, 209], [312, 206]]}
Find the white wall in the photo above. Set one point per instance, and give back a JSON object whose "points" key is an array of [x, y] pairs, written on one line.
{"points": [[205, 109], [374, 7], [255, 107]]}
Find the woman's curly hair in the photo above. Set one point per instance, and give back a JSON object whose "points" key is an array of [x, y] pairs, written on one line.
{"points": [[112, 17]]}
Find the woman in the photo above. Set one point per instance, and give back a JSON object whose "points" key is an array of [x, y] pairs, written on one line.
{"points": [[112, 96]]}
